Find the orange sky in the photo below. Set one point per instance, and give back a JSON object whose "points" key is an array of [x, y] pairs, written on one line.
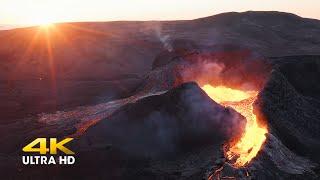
{"points": [[29, 12]]}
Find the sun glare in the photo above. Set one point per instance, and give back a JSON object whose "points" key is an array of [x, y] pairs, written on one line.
{"points": [[46, 25], [42, 18]]}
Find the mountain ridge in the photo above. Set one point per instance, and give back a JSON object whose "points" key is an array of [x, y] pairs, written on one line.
{"points": [[268, 33]]}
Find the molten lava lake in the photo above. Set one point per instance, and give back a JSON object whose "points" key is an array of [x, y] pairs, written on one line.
{"points": [[242, 151]]}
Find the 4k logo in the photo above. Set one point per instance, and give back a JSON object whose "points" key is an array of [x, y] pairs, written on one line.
{"points": [[54, 146]]}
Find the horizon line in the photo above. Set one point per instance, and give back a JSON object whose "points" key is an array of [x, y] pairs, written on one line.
{"points": [[17, 26]]}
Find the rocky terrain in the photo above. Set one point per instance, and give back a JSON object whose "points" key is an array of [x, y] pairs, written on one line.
{"points": [[96, 62], [143, 114]]}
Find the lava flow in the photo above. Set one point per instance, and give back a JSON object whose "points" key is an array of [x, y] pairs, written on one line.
{"points": [[240, 153]]}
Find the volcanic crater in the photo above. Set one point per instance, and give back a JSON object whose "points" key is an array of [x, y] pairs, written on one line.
{"points": [[203, 114]]}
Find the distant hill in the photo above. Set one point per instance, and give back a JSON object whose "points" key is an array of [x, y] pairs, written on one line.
{"points": [[8, 27], [114, 49]]}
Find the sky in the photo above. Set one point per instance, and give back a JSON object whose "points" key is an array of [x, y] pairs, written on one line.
{"points": [[34, 12]]}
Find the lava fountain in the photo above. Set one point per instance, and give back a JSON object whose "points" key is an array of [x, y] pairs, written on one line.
{"points": [[242, 151]]}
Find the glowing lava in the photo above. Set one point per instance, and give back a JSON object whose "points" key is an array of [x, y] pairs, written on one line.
{"points": [[241, 152]]}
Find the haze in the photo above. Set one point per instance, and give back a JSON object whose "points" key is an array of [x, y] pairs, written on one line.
{"points": [[33, 12]]}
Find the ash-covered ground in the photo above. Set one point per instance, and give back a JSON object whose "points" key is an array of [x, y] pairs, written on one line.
{"points": [[162, 125]]}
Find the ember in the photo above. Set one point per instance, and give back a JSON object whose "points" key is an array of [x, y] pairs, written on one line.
{"points": [[240, 153]]}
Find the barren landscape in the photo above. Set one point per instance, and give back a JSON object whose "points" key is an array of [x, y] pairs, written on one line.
{"points": [[135, 95]]}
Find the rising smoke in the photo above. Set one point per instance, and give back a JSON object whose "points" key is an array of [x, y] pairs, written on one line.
{"points": [[156, 28], [233, 69]]}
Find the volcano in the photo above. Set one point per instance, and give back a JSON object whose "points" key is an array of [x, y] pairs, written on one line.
{"points": [[192, 106]]}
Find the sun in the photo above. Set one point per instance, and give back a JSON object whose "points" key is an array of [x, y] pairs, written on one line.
{"points": [[46, 25], [42, 20]]}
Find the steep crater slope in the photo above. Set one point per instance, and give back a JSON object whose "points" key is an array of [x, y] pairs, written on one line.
{"points": [[290, 101]]}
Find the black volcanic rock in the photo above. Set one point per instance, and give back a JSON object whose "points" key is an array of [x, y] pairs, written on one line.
{"points": [[302, 72], [181, 119], [289, 101]]}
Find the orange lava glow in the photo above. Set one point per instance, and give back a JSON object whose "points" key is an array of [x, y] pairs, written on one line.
{"points": [[241, 152]]}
